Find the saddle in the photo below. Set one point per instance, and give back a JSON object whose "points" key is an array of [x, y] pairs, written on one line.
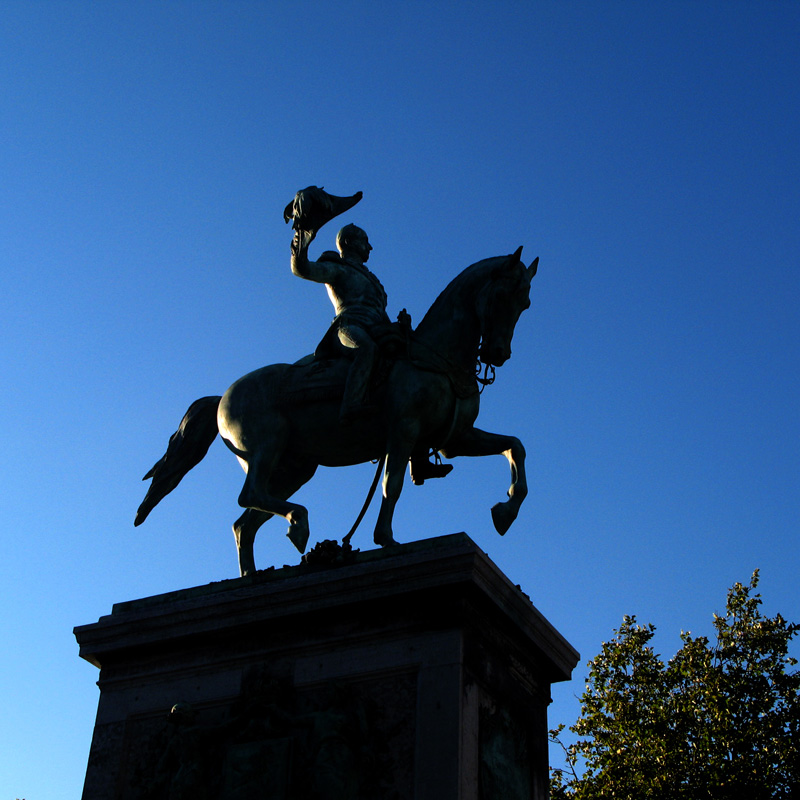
{"points": [[311, 380], [322, 376]]}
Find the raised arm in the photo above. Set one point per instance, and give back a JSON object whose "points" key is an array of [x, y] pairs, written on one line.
{"points": [[319, 271], [310, 209]]}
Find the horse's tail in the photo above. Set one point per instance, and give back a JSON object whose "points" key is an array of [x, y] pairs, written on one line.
{"points": [[186, 449]]}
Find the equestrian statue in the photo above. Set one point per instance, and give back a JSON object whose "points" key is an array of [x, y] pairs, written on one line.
{"points": [[374, 390]]}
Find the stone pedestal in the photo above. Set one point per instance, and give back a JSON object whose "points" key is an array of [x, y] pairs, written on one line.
{"points": [[418, 672]]}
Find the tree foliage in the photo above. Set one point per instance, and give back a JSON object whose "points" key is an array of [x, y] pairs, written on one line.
{"points": [[719, 720]]}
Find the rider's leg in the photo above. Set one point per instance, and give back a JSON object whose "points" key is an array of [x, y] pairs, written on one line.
{"points": [[355, 391]]}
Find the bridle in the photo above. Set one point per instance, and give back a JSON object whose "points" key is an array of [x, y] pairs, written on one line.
{"points": [[488, 377]]}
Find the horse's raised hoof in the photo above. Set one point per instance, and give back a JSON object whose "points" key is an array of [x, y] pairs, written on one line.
{"points": [[502, 517], [298, 535]]}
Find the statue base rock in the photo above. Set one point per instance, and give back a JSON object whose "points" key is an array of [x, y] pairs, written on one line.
{"points": [[417, 671]]}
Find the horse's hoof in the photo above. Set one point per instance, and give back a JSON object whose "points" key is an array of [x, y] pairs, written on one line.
{"points": [[385, 541], [502, 517], [298, 536]]}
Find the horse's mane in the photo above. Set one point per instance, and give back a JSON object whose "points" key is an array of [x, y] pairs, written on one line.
{"points": [[467, 282]]}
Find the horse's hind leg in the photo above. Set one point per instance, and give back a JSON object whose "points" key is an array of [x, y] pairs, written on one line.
{"points": [[244, 531], [265, 490]]}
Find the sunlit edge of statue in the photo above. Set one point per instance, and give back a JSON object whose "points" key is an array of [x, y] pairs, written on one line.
{"points": [[374, 390]]}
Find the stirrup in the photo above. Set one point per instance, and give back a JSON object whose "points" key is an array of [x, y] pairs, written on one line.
{"points": [[425, 470]]}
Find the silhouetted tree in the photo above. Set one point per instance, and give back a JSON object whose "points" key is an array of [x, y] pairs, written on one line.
{"points": [[720, 720]]}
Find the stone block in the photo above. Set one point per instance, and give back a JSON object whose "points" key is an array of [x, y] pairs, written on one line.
{"points": [[417, 672]]}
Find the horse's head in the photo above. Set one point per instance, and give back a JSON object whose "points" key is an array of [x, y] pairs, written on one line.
{"points": [[500, 302]]}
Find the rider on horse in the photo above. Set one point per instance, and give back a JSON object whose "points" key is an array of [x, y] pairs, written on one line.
{"points": [[358, 298]]}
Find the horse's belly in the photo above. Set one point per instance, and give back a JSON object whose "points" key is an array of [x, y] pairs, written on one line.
{"points": [[315, 433]]}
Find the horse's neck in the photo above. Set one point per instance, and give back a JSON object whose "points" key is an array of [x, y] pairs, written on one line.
{"points": [[451, 327]]}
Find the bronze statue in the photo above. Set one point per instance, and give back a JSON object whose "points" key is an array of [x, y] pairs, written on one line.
{"points": [[374, 389]]}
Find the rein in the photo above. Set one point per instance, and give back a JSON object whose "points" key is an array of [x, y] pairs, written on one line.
{"points": [[370, 495]]}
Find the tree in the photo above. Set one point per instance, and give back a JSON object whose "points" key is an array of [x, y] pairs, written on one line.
{"points": [[720, 720]]}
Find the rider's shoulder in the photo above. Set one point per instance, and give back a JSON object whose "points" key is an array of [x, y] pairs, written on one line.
{"points": [[331, 256]]}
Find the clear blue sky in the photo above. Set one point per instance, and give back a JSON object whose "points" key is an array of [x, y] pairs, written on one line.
{"points": [[647, 152]]}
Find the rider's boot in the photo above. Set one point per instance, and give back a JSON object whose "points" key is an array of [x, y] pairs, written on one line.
{"points": [[422, 470]]}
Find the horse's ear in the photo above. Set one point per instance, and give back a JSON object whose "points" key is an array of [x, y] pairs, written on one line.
{"points": [[506, 266], [531, 270]]}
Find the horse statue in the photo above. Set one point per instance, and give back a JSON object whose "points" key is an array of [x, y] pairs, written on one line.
{"points": [[282, 421]]}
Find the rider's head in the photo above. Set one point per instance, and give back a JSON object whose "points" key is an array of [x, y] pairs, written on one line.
{"points": [[351, 240]]}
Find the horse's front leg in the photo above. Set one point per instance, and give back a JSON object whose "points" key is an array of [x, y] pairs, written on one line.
{"points": [[399, 449], [475, 442]]}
